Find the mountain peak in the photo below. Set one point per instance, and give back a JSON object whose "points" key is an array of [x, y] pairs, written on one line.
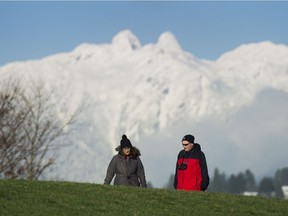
{"points": [[168, 42], [126, 40], [256, 52]]}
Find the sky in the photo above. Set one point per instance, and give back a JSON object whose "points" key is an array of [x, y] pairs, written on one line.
{"points": [[206, 29]]}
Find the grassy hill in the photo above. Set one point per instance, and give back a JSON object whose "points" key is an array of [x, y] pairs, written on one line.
{"points": [[19, 197]]}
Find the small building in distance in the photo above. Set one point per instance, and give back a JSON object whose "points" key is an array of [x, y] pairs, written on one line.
{"points": [[285, 191]]}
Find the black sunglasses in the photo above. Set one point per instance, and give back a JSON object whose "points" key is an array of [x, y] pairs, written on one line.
{"points": [[186, 144]]}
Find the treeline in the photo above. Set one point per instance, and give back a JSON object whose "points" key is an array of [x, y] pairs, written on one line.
{"points": [[245, 182]]}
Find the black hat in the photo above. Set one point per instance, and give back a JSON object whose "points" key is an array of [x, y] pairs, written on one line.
{"points": [[188, 138], [125, 142]]}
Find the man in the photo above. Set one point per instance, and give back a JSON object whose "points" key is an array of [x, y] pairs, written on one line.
{"points": [[191, 168]]}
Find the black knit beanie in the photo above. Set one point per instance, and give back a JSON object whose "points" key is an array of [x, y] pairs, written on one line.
{"points": [[125, 142], [189, 138]]}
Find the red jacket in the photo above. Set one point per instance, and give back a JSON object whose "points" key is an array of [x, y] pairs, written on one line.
{"points": [[193, 175]]}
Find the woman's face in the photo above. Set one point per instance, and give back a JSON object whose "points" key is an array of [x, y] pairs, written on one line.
{"points": [[126, 151]]}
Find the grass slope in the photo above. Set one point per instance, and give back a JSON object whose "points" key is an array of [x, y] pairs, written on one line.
{"points": [[19, 197]]}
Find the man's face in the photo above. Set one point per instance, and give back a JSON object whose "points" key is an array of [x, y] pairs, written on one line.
{"points": [[187, 146]]}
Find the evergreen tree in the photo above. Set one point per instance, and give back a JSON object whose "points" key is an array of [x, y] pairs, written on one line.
{"points": [[232, 184], [149, 184], [250, 184], [236, 184], [280, 179], [241, 181], [218, 183], [266, 187]]}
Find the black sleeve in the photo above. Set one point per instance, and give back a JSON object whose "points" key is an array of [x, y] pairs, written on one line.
{"points": [[204, 172], [176, 171], [175, 177]]}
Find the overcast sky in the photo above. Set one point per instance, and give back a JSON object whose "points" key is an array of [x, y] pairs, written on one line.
{"points": [[32, 30]]}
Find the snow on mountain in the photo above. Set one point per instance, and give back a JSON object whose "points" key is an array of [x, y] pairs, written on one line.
{"points": [[169, 43], [126, 41], [155, 94], [256, 65]]}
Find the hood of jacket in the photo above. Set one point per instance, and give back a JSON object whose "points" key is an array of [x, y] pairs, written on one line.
{"points": [[196, 146], [135, 152]]}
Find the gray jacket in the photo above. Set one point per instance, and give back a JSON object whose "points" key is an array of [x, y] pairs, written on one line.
{"points": [[128, 171]]}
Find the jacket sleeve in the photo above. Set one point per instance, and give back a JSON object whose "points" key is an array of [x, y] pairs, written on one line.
{"points": [[111, 170], [204, 173], [176, 172], [141, 173], [175, 177]]}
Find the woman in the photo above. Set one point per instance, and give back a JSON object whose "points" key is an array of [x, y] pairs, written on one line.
{"points": [[126, 165]]}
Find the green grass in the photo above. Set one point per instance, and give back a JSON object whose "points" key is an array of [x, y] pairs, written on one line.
{"points": [[19, 197]]}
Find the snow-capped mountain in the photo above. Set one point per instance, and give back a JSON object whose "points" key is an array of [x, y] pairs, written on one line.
{"points": [[156, 93]]}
